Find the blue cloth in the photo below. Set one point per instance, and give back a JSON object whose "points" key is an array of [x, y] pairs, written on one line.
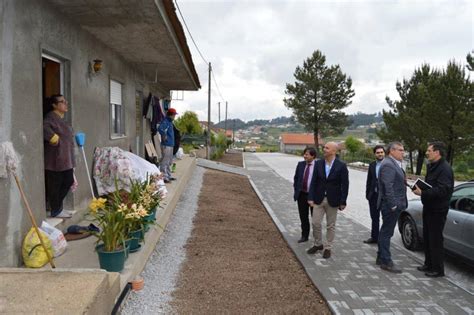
{"points": [[335, 186], [166, 132], [377, 168], [328, 168]]}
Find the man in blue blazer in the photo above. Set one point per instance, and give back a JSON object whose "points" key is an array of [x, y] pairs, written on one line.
{"points": [[301, 183], [372, 193], [328, 194]]}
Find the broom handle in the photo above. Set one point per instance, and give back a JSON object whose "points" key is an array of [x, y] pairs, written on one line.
{"points": [[88, 174], [33, 221]]}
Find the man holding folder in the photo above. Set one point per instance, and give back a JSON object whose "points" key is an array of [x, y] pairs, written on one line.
{"points": [[435, 201]]}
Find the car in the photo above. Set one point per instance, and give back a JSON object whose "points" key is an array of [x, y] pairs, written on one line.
{"points": [[459, 229]]}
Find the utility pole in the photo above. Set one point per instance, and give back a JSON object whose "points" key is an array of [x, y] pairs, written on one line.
{"points": [[219, 105], [225, 124], [208, 147], [233, 134]]}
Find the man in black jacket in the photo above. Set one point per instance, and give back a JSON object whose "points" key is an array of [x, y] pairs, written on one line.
{"points": [[371, 193], [435, 208], [301, 184], [327, 194]]}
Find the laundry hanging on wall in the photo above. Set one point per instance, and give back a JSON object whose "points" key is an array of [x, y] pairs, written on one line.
{"points": [[154, 112]]}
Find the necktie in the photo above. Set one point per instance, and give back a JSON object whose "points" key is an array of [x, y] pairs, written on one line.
{"points": [[305, 178]]}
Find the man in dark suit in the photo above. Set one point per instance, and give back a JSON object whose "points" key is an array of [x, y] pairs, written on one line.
{"points": [[301, 182], [435, 201], [392, 201], [371, 193], [327, 194]]}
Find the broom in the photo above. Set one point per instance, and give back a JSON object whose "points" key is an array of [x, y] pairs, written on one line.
{"points": [[8, 164]]}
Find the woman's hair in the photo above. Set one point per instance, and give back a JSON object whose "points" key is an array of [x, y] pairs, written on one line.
{"points": [[53, 99]]}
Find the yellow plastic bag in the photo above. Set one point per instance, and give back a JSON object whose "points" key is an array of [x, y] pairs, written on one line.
{"points": [[33, 252]]}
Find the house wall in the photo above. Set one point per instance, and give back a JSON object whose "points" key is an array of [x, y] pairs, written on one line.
{"points": [[289, 148], [29, 28]]}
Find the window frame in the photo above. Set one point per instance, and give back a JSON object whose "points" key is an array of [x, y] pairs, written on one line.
{"points": [[112, 111]]}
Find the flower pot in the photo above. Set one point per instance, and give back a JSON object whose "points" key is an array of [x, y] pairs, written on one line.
{"points": [[111, 261], [135, 238], [151, 217]]}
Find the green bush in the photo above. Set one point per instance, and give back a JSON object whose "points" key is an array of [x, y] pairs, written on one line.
{"points": [[462, 167]]}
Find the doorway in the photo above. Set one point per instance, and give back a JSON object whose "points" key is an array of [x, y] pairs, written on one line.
{"points": [[53, 70]]}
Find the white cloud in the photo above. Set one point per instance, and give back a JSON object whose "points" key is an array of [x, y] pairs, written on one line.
{"points": [[255, 46]]}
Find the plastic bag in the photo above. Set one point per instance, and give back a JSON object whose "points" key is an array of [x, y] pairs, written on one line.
{"points": [[179, 155], [58, 241], [33, 252]]}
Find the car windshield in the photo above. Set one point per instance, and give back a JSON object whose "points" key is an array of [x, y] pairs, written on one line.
{"points": [[463, 199]]}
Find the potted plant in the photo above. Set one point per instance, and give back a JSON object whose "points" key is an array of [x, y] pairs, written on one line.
{"points": [[111, 246]]}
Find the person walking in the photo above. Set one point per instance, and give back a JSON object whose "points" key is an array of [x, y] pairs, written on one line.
{"points": [[166, 130], [372, 194], [435, 202], [301, 183], [392, 200], [327, 194], [59, 161]]}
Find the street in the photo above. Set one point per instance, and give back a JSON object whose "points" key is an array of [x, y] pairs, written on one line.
{"points": [[357, 210]]}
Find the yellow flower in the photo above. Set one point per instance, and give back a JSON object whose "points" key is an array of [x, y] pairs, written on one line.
{"points": [[122, 208], [96, 204]]}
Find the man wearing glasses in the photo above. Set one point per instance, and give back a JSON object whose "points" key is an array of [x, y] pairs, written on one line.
{"points": [[392, 201]]}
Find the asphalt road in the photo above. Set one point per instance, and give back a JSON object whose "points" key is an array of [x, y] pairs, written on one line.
{"points": [[358, 210]]}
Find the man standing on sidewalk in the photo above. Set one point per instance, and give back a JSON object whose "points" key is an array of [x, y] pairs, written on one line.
{"points": [[327, 194], [371, 193], [301, 184], [391, 202], [166, 131], [435, 201]]}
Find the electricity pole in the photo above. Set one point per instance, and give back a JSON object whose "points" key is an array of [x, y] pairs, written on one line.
{"points": [[225, 124], [208, 147], [219, 105]]}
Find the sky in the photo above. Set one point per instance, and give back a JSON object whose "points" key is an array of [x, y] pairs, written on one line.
{"points": [[255, 46]]}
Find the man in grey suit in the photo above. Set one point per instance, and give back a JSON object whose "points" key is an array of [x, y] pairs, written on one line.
{"points": [[392, 201]]}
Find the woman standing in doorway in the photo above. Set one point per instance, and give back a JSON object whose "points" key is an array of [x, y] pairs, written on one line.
{"points": [[59, 160]]}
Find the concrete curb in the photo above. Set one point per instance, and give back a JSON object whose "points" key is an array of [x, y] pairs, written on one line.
{"points": [[136, 263]]}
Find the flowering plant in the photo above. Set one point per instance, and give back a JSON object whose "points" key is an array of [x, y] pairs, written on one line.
{"points": [[111, 223]]}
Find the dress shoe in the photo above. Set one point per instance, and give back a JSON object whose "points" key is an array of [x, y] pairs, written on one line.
{"points": [[314, 249], [302, 240], [390, 268], [327, 253], [434, 274], [378, 262], [370, 241], [173, 178], [423, 268]]}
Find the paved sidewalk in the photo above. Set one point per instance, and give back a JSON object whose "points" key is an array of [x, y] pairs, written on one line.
{"points": [[350, 281]]}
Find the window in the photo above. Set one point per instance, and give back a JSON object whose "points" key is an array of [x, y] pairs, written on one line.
{"points": [[116, 109], [463, 199]]}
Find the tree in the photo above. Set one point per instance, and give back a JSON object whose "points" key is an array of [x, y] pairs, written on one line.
{"points": [[318, 95], [408, 119], [353, 145], [470, 61], [188, 123]]}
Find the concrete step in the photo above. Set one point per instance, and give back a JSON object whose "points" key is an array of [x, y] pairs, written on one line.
{"points": [[58, 291]]}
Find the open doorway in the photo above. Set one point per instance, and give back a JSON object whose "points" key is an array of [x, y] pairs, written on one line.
{"points": [[53, 70]]}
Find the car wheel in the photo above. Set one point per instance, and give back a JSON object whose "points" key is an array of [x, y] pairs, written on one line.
{"points": [[409, 233]]}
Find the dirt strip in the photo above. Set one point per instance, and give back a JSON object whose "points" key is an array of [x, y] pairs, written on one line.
{"points": [[232, 158], [237, 261]]}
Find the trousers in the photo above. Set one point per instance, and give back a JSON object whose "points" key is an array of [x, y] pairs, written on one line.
{"points": [[57, 187], [389, 218], [303, 209], [331, 215], [166, 161], [433, 226]]}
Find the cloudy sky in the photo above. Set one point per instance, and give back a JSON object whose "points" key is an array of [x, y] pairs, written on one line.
{"points": [[255, 46]]}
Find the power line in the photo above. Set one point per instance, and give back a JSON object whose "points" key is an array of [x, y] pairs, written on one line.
{"points": [[197, 48], [189, 32]]}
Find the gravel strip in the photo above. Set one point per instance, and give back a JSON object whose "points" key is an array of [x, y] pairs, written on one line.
{"points": [[162, 269]]}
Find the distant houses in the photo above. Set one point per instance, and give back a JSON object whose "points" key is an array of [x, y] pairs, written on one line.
{"points": [[292, 142]]}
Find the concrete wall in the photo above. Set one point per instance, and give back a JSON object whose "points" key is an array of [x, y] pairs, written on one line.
{"points": [[289, 148], [28, 29]]}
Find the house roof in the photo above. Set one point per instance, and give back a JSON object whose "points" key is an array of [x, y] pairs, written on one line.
{"points": [[145, 33], [299, 138]]}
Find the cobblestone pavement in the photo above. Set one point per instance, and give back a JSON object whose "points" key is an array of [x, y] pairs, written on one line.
{"points": [[350, 281]]}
